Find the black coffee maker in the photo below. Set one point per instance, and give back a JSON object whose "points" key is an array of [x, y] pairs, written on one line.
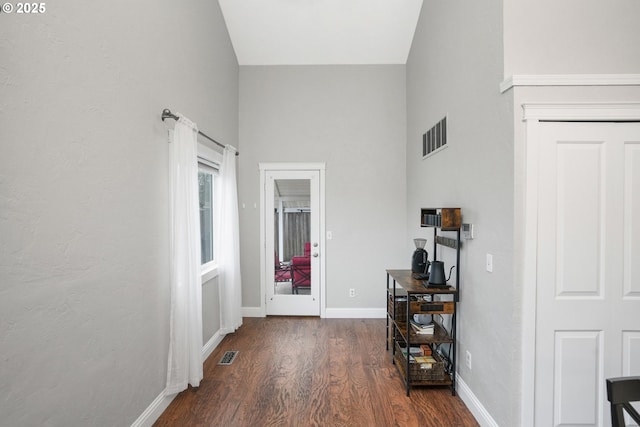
{"points": [[419, 260]]}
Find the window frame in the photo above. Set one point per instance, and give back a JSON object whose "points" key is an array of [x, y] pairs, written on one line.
{"points": [[206, 227], [210, 160]]}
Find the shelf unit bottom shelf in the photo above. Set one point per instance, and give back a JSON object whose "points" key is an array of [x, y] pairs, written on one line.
{"points": [[400, 365]]}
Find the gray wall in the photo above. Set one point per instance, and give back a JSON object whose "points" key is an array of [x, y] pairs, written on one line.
{"points": [[571, 37], [352, 118], [454, 69], [84, 253]]}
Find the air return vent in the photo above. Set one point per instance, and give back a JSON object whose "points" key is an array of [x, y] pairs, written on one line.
{"points": [[435, 139]]}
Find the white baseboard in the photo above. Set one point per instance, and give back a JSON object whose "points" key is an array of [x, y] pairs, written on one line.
{"points": [[476, 408], [160, 403], [330, 313], [252, 312], [356, 313], [153, 411]]}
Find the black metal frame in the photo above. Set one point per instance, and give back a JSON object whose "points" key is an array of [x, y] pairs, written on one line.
{"points": [[393, 330], [621, 392], [281, 271], [450, 358], [303, 275]]}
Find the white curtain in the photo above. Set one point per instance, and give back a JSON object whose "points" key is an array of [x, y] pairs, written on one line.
{"points": [[185, 345], [228, 244]]}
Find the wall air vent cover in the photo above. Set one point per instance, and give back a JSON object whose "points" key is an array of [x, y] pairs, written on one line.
{"points": [[435, 139]]}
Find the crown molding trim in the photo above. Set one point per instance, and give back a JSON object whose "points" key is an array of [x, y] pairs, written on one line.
{"points": [[569, 80], [602, 111]]}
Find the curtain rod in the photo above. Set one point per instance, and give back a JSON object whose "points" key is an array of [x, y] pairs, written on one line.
{"points": [[167, 114]]}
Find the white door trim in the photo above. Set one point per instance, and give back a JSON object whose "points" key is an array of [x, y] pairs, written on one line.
{"points": [[264, 167], [533, 115]]}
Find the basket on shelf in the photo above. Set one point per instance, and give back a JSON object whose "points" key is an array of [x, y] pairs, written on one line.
{"points": [[401, 307], [418, 372], [417, 306]]}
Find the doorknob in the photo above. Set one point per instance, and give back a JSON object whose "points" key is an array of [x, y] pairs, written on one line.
{"points": [[315, 254], [315, 245]]}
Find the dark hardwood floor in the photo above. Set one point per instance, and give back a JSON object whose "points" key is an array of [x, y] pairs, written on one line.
{"points": [[305, 371]]}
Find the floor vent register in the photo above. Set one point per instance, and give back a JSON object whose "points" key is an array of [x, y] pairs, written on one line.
{"points": [[228, 357]]}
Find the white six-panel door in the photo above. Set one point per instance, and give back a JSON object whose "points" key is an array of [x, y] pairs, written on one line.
{"points": [[588, 268]]}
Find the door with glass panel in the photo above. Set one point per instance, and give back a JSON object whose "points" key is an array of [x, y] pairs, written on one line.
{"points": [[292, 242]]}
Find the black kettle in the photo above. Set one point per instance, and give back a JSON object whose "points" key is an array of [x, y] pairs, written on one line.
{"points": [[436, 274]]}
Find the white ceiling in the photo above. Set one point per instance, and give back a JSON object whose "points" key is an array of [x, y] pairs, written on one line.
{"points": [[295, 192], [312, 32], [295, 188]]}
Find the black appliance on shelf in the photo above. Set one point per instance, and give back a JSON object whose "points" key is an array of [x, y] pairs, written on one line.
{"points": [[420, 260]]}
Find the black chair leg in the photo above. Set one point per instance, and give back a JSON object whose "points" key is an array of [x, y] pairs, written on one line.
{"points": [[620, 392]]}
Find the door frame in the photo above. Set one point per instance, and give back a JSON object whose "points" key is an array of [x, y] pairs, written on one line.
{"points": [[264, 258], [534, 116]]}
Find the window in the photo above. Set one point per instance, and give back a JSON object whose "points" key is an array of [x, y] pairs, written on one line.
{"points": [[208, 164], [206, 181]]}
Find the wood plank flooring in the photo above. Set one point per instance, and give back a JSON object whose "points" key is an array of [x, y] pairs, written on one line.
{"points": [[307, 371]]}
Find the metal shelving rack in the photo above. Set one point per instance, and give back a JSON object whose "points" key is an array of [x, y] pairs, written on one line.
{"points": [[446, 219]]}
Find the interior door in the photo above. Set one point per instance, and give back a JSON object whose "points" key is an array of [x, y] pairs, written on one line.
{"points": [[292, 242], [588, 273]]}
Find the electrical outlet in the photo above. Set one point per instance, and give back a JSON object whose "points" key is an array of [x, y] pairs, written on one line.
{"points": [[467, 359], [352, 293]]}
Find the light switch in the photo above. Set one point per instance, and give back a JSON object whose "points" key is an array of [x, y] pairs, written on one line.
{"points": [[490, 263]]}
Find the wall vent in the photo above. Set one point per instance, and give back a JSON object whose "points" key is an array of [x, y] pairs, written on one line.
{"points": [[435, 139]]}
